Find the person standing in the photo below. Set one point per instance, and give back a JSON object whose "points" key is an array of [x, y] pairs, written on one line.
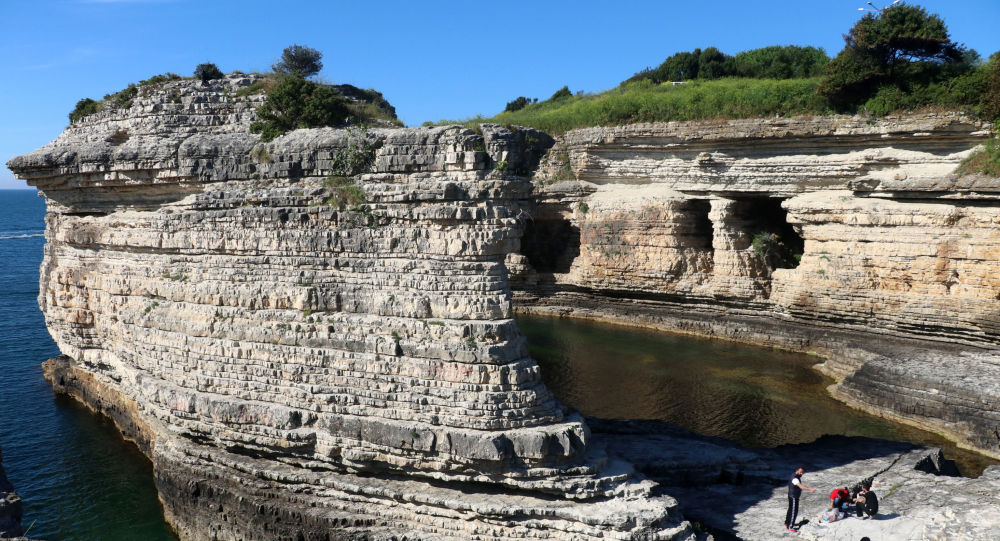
{"points": [[795, 488]]}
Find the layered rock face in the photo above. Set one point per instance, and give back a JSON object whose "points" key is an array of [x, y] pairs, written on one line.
{"points": [[312, 356], [841, 235]]}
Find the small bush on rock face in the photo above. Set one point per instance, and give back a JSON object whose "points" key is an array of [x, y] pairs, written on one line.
{"points": [[344, 192], [207, 72], [299, 61], [773, 251], [355, 158], [123, 98], [985, 161], [84, 107], [297, 103]]}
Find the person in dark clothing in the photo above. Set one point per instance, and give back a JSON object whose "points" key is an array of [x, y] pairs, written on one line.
{"points": [[795, 488], [867, 501]]}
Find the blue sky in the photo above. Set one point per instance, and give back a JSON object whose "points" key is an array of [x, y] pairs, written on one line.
{"points": [[431, 59]]}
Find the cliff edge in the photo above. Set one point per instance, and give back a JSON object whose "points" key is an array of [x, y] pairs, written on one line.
{"points": [[306, 351]]}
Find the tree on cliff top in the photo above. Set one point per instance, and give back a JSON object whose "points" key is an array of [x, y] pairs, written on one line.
{"points": [[299, 61], [899, 45], [297, 103], [207, 72]]}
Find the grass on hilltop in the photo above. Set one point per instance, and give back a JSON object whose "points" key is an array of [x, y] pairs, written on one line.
{"points": [[645, 101]]}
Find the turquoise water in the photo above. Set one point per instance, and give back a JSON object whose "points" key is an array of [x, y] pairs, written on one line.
{"points": [[757, 397], [79, 479]]}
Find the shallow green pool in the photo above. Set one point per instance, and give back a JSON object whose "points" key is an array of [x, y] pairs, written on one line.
{"points": [[758, 397]]}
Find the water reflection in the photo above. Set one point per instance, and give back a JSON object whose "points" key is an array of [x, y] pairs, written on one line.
{"points": [[758, 397]]}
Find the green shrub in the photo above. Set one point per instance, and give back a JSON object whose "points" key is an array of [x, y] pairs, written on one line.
{"points": [[207, 72], [297, 103], [355, 158], [563, 92], [123, 98], [520, 103], [774, 62], [779, 62], [84, 108], [989, 103], [773, 251], [344, 192], [985, 161], [299, 61], [158, 80], [371, 104]]}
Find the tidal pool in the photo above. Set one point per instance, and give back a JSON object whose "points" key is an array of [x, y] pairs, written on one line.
{"points": [[757, 397]]}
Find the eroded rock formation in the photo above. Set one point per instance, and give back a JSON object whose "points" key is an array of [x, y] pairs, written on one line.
{"points": [[302, 364], [841, 235]]}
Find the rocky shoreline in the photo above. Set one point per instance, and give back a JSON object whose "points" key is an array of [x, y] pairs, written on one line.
{"points": [[740, 493]]}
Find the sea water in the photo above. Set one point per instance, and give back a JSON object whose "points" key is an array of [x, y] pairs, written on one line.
{"points": [[76, 475]]}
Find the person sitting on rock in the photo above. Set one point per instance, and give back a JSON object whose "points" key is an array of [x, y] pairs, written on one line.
{"points": [[867, 501], [840, 499]]}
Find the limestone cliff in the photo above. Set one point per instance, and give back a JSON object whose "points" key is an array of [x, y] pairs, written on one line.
{"points": [[301, 367], [842, 235]]}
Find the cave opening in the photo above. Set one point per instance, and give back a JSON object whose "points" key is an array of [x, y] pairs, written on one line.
{"points": [[702, 232], [773, 239], [550, 242]]}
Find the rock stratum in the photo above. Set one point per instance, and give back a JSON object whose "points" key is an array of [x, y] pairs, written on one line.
{"points": [[301, 362], [890, 265], [300, 367]]}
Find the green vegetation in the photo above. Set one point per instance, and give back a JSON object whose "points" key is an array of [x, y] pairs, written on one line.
{"points": [[773, 251], [121, 99], [261, 154], [299, 61], [645, 101], [899, 54], [357, 156], [84, 107], [298, 103], [775, 62], [563, 92], [344, 192], [901, 59], [207, 72], [519, 103], [989, 104], [157, 80], [985, 161]]}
